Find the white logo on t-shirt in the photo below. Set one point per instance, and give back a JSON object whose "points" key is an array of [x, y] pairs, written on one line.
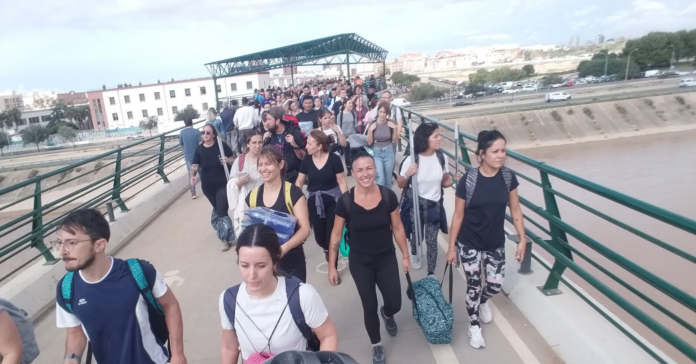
{"points": [[82, 301]]}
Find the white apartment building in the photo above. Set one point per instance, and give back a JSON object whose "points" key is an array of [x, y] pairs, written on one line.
{"points": [[125, 107]]}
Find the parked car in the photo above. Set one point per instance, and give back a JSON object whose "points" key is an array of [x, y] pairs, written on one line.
{"points": [[687, 82], [568, 84], [511, 91], [461, 103], [529, 88], [401, 102], [556, 96], [135, 137]]}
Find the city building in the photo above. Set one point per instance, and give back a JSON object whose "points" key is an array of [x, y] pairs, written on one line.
{"points": [[11, 101], [126, 106], [600, 39], [574, 41], [72, 98]]}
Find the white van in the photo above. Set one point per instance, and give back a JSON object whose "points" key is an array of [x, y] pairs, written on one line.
{"points": [[685, 82], [556, 96]]}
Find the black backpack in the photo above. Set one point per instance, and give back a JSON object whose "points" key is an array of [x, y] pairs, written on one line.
{"points": [[292, 290]]}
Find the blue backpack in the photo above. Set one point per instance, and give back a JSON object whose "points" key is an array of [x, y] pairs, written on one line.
{"points": [[155, 310], [433, 314], [292, 285]]}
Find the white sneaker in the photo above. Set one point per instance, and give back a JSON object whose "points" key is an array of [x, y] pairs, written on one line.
{"points": [[416, 262], [476, 338], [485, 314]]}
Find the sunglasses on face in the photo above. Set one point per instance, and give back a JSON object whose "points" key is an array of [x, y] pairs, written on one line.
{"points": [[205, 132]]}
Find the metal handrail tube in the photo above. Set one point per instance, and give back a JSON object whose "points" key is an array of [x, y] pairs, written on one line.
{"points": [[640, 272], [630, 288], [625, 304], [645, 208]]}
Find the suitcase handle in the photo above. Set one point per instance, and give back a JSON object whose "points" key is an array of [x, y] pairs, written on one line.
{"points": [[411, 294], [451, 280]]}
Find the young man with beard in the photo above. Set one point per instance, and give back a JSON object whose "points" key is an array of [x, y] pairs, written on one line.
{"points": [[100, 299], [287, 138], [308, 118]]}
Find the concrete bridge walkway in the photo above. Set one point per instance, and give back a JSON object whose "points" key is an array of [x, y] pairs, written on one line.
{"points": [[182, 245]]}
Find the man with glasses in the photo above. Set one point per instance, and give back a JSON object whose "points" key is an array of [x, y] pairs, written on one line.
{"points": [[100, 299]]}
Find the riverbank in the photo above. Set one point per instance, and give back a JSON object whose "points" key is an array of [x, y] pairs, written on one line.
{"points": [[591, 122]]}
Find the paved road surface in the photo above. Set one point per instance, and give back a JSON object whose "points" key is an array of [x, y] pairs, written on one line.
{"points": [[183, 246]]}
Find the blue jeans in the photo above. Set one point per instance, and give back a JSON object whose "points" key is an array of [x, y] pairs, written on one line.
{"points": [[188, 168], [384, 163]]}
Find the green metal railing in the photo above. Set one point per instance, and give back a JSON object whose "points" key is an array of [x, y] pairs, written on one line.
{"points": [[547, 219], [150, 157]]}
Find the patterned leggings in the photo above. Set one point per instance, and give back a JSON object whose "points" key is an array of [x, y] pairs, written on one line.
{"points": [[430, 231], [495, 273]]}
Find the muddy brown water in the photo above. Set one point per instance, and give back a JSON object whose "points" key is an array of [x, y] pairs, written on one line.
{"points": [[659, 169]]}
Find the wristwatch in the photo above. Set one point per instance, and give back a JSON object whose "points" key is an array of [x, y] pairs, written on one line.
{"points": [[74, 356]]}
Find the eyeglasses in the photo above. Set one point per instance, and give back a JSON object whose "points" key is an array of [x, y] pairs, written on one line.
{"points": [[68, 245], [207, 133]]}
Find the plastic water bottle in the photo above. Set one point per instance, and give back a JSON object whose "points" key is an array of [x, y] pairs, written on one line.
{"points": [[283, 223]]}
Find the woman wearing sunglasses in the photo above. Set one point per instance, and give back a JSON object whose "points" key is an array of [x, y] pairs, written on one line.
{"points": [[214, 181]]}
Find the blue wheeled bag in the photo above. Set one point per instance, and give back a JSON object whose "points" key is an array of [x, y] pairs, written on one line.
{"points": [[430, 310]]}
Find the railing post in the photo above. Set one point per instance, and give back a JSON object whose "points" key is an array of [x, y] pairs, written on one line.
{"points": [[462, 149], [160, 167], [37, 240], [550, 287], [116, 191]]}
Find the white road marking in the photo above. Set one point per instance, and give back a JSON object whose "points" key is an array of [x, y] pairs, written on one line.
{"points": [[172, 277], [499, 320], [323, 267], [443, 354]]}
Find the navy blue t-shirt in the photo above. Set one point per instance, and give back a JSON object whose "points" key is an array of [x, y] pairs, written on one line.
{"points": [[114, 315], [484, 218]]}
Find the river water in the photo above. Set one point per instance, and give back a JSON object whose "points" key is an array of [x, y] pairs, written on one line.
{"points": [[659, 169]]}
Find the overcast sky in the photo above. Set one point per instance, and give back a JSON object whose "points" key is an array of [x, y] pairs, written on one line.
{"points": [[80, 45]]}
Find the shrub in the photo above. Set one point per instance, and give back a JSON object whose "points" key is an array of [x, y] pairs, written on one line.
{"points": [[588, 112], [649, 102], [33, 173], [680, 100], [556, 116], [570, 112], [425, 91], [98, 165]]}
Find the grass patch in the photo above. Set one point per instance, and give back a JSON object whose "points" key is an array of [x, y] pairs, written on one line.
{"points": [[587, 111], [33, 173], [650, 103], [98, 165], [556, 116], [680, 100], [570, 112], [622, 110]]}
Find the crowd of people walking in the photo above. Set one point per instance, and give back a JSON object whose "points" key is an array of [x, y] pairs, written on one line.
{"points": [[266, 157]]}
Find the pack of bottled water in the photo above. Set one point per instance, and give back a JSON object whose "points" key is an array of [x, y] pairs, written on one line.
{"points": [[283, 223]]}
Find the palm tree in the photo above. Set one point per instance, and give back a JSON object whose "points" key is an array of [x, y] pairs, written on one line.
{"points": [[13, 117], [3, 117]]}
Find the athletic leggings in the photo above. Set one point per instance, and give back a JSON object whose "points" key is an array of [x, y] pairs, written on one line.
{"points": [[322, 226], [430, 231], [381, 270], [494, 262], [217, 195]]}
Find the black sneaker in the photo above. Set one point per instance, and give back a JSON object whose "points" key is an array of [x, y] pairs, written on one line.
{"points": [[348, 173], [389, 322], [378, 355]]}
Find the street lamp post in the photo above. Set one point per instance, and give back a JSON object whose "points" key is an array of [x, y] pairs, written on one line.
{"points": [[671, 60], [606, 62], [628, 63]]}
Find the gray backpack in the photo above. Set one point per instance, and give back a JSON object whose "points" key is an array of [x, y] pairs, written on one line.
{"points": [[26, 330], [470, 180]]}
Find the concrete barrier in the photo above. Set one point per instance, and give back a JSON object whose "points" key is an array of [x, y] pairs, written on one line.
{"points": [[34, 290]]}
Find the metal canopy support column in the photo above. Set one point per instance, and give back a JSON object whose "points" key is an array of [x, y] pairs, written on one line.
{"points": [[348, 63], [384, 69], [292, 75], [217, 98]]}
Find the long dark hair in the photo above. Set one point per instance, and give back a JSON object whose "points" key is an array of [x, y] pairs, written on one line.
{"points": [[486, 138], [421, 136], [358, 153], [260, 236], [215, 131]]}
